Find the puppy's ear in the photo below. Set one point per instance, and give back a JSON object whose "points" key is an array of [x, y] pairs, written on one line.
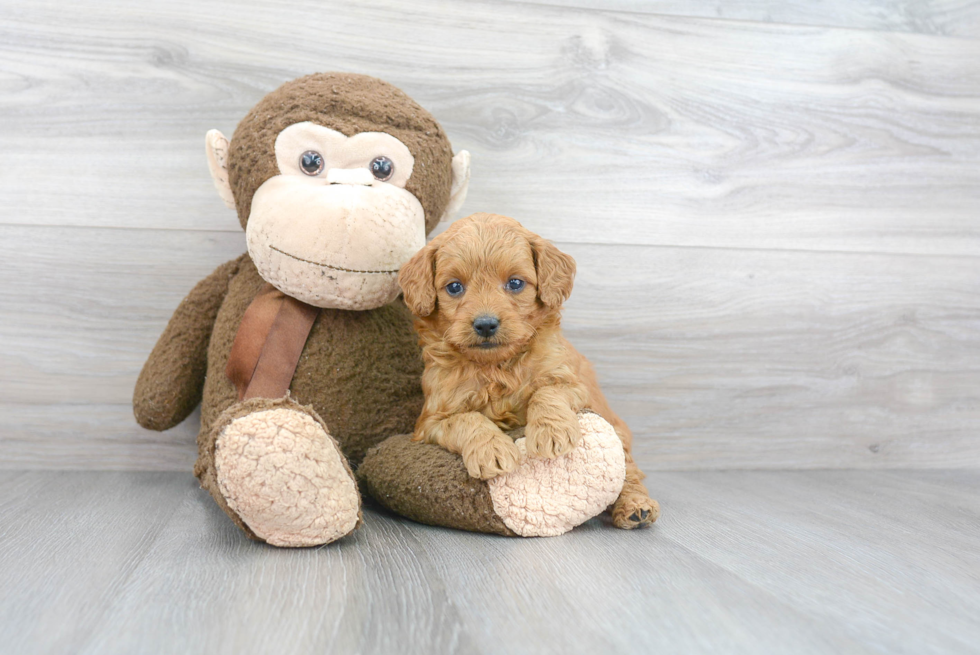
{"points": [[417, 280], [556, 272]]}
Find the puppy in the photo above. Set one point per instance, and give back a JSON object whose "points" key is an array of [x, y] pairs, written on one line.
{"points": [[487, 295]]}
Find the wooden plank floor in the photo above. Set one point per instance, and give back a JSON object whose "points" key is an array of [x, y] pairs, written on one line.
{"points": [[741, 562], [774, 206]]}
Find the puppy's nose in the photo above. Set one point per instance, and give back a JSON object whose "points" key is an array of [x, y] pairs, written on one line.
{"points": [[486, 326]]}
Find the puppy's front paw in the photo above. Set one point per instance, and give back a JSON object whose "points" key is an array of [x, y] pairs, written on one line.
{"points": [[489, 454], [552, 437]]}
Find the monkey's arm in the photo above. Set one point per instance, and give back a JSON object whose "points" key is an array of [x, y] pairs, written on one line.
{"points": [[171, 382]]}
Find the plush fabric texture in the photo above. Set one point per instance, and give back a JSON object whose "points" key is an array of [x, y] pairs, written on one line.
{"points": [[349, 104], [542, 497], [360, 371], [280, 471], [430, 485], [549, 497], [307, 246], [204, 467]]}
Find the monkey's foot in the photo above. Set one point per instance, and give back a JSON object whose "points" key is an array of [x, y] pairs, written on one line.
{"points": [[548, 497], [281, 472]]}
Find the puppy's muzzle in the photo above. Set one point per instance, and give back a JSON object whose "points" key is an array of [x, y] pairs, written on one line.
{"points": [[486, 326]]}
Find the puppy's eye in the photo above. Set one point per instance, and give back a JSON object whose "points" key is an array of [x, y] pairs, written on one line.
{"points": [[454, 289], [515, 284], [382, 168], [311, 162]]}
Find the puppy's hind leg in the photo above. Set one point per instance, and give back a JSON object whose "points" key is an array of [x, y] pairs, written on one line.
{"points": [[634, 508]]}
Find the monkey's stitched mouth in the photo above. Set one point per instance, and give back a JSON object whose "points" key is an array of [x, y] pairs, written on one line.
{"points": [[334, 268]]}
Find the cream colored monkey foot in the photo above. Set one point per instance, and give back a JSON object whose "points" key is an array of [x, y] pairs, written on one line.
{"points": [[285, 477], [548, 497]]}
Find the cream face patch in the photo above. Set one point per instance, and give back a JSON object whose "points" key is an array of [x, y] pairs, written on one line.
{"points": [[329, 230], [341, 152]]}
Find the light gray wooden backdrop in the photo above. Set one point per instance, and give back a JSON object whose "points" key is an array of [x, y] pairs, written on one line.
{"points": [[775, 206]]}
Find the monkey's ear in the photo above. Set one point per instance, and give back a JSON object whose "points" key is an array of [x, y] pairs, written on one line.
{"points": [[556, 272], [417, 280], [461, 184], [217, 148]]}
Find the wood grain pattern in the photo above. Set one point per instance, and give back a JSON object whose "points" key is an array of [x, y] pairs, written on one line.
{"points": [[69, 543], [959, 18], [776, 224], [740, 562], [587, 125], [716, 358], [91, 436], [821, 360]]}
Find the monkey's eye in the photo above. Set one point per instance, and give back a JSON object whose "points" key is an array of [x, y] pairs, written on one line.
{"points": [[382, 168], [454, 288], [311, 162], [515, 284]]}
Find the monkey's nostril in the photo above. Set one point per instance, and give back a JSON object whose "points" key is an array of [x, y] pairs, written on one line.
{"points": [[486, 326]]}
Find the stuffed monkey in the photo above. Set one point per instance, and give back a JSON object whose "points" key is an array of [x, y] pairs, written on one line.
{"points": [[301, 352]]}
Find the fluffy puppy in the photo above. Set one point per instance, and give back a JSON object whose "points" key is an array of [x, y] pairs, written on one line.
{"points": [[487, 295]]}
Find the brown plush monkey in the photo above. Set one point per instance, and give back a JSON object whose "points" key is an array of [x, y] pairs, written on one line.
{"points": [[301, 352]]}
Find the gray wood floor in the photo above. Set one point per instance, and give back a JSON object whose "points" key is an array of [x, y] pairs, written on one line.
{"points": [[741, 562]]}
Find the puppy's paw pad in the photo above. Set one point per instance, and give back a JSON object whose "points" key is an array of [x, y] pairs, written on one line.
{"points": [[635, 512], [642, 515]]}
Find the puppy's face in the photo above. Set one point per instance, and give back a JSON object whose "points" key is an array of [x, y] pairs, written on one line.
{"points": [[486, 285], [486, 295]]}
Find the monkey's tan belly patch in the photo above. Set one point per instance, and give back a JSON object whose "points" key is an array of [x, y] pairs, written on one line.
{"points": [[549, 497], [285, 477]]}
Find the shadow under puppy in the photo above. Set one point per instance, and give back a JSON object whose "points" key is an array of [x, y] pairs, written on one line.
{"points": [[487, 295]]}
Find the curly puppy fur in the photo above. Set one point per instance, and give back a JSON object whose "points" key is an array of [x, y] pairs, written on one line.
{"points": [[495, 358]]}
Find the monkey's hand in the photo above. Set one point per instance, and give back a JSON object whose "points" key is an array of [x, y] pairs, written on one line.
{"points": [[172, 380]]}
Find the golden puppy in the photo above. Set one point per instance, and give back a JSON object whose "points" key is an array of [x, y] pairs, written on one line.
{"points": [[487, 295]]}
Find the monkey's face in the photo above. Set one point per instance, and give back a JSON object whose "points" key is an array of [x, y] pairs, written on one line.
{"points": [[337, 178], [333, 228]]}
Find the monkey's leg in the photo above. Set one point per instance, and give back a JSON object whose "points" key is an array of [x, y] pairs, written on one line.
{"points": [[273, 467], [541, 497]]}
